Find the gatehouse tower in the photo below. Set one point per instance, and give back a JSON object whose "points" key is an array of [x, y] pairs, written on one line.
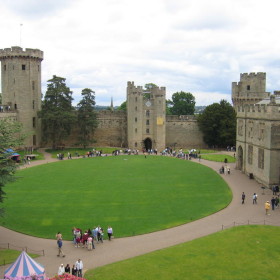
{"points": [[21, 88], [146, 119]]}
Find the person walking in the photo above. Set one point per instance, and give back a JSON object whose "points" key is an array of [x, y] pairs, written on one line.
{"points": [[273, 203], [267, 208], [110, 232], [243, 197], [79, 266], [255, 196], [59, 244]]}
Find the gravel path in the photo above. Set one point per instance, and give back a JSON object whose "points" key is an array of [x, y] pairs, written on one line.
{"points": [[124, 248]]}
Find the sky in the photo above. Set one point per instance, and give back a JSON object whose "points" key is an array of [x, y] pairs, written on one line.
{"points": [[197, 46]]}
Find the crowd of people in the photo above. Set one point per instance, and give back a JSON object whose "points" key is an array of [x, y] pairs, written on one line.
{"points": [[76, 270]]}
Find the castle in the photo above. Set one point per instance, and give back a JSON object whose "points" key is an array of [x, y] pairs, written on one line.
{"points": [[145, 125], [258, 128]]}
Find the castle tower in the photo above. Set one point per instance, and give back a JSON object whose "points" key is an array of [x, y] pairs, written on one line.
{"points": [[250, 90], [146, 117], [21, 88]]}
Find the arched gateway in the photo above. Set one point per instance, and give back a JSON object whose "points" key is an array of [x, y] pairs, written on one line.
{"points": [[148, 144]]}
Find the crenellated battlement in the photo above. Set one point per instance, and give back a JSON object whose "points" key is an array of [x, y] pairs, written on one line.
{"points": [[20, 52], [252, 75], [138, 90]]}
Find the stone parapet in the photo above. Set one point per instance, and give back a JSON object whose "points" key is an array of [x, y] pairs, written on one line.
{"points": [[19, 52]]}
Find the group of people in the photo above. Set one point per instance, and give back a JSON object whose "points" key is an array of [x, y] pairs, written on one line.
{"points": [[272, 204], [225, 170], [88, 237], [77, 269]]}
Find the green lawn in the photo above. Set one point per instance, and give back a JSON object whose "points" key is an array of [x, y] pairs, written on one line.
{"points": [[247, 252], [133, 194], [9, 256], [218, 157]]}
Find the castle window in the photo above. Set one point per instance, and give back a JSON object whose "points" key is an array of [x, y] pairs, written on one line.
{"points": [[250, 154], [147, 122], [33, 85], [135, 99], [135, 108], [261, 158], [33, 104], [248, 87], [15, 106], [135, 119], [5, 67], [147, 113], [34, 122], [135, 144], [34, 140], [135, 130], [147, 130], [38, 68], [23, 67]]}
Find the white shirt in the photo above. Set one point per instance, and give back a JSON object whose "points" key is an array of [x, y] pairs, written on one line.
{"points": [[79, 264]]}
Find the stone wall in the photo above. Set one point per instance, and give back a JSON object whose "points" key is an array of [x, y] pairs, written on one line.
{"points": [[183, 132]]}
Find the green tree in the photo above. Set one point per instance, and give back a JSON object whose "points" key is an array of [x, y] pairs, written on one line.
{"points": [[122, 107], [86, 117], [10, 137], [57, 112], [182, 103], [218, 124]]}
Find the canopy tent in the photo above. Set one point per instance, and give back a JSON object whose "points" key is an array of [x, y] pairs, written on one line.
{"points": [[24, 266], [15, 156]]}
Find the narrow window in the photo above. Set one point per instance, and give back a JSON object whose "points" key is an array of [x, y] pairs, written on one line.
{"points": [[147, 113], [135, 130], [147, 122], [135, 99], [136, 108], [135, 144], [34, 122], [135, 119], [15, 106], [33, 104], [5, 67], [248, 87], [23, 67], [147, 130], [38, 68], [33, 85], [34, 140]]}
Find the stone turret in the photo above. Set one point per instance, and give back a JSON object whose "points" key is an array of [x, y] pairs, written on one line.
{"points": [[21, 88], [250, 90], [146, 117]]}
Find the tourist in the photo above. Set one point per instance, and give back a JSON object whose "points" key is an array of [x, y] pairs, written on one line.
{"points": [[272, 203], [59, 244], [74, 270], [255, 197], [267, 208], [67, 269], [89, 243], [243, 197], [79, 266], [61, 270], [110, 232]]}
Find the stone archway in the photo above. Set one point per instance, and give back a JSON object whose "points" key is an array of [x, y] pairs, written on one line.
{"points": [[148, 144], [239, 164]]}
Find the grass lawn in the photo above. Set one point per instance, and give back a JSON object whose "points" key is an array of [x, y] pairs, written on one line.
{"points": [[218, 157], [9, 256], [133, 194], [245, 252]]}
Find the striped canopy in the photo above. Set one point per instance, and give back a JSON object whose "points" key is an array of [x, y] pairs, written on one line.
{"points": [[24, 266]]}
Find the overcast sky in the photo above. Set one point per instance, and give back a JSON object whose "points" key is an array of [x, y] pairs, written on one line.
{"points": [[197, 46]]}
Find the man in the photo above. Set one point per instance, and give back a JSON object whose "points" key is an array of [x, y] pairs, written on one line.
{"points": [[243, 197], [267, 207], [79, 266], [59, 244]]}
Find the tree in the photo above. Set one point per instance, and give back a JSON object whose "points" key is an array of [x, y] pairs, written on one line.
{"points": [[10, 137], [122, 107], [57, 112], [218, 124], [86, 117], [182, 103]]}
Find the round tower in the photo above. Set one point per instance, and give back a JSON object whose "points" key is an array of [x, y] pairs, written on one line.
{"points": [[21, 88]]}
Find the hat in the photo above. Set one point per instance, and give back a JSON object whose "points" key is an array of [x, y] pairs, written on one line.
{"points": [[62, 264]]}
